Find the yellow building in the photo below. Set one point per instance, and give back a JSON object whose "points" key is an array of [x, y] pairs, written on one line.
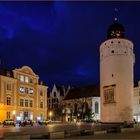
{"points": [[22, 95]]}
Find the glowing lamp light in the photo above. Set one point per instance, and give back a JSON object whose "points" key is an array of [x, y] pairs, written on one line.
{"points": [[14, 112]]}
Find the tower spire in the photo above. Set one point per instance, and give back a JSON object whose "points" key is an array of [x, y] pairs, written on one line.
{"points": [[116, 14]]}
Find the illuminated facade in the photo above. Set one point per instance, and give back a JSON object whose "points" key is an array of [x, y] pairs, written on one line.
{"points": [[82, 104], [116, 76], [22, 95], [137, 102], [55, 100]]}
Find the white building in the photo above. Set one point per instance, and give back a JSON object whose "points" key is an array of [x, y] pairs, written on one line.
{"points": [[116, 76], [137, 102]]}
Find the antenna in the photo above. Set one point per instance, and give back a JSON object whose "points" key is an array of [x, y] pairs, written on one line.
{"points": [[116, 14]]}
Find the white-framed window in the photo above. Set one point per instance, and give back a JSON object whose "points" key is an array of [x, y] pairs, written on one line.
{"points": [[21, 89], [22, 102], [8, 86], [21, 78], [26, 80], [8, 100], [26, 103], [31, 91]]}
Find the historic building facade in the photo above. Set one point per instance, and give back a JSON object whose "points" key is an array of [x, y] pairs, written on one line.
{"points": [[54, 101], [22, 95], [82, 103]]}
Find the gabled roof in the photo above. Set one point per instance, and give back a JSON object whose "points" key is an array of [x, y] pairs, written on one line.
{"points": [[60, 89], [83, 92]]}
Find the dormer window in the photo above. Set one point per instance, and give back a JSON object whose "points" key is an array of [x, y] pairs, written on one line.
{"points": [[21, 78], [26, 80]]}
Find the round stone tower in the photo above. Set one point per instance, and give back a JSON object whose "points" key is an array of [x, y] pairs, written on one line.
{"points": [[116, 76]]}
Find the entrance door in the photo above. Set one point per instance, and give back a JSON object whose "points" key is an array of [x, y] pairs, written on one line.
{"points": [[26, 115]]}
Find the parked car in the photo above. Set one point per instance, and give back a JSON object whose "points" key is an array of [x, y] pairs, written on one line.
{"points": [[9, 122], [26, 122], [44, 122]]}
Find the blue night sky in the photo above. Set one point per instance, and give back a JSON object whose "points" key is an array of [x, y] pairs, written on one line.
{"points": [[60, 40]]}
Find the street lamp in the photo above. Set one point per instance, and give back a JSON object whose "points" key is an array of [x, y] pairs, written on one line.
{"points": [[50, 114], [14, 112]]}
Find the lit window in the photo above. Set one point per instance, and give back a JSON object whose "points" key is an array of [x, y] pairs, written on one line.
{"points": [[8, 114], [26, 103], [8, 100], [21, 78], [21, 89], [21, 102], [26, 79], [31, 91], [9, 86], [41, 104]]}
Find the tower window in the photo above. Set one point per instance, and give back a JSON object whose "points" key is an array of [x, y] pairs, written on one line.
{"points": [[119, 42], [111, 42], [112, 75], [112, 51]]}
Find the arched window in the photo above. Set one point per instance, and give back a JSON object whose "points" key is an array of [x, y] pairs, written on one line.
{"points": [[96, 107]]}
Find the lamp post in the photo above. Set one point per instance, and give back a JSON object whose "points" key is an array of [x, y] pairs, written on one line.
{"points": [[14, 112], [50, 114]]}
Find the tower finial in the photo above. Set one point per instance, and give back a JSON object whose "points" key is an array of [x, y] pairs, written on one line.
{"points": [[116, 14]]}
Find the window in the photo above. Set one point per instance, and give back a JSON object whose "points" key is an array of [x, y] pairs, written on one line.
{"points": [[8, 114], [40, 92], [21, 102], [21, 114], [8, 87], [21, 89], [31, 91], [31, 103], [30, 80], [26, 90], [96, 107], [54, 94], [41, 104], [109, 94], [26, 103], [26, 79], [21, 78], [8, 100]]}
